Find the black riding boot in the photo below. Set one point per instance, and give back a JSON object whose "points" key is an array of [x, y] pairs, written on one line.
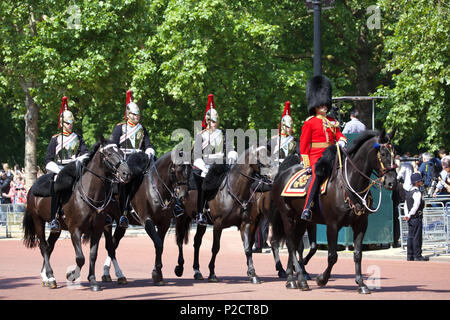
{"points": [[54, 213], [123, 220], [201, 217], [307, 213]]}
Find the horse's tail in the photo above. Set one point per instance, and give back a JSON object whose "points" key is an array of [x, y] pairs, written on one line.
{"points": [[30, 239]]}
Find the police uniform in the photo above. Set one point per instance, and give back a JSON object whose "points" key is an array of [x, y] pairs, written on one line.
{"points": [[414, 205], [318, 133]]}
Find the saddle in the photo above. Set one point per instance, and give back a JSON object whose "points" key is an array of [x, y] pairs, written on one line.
{"points": [[45, 186], [298, 184]]}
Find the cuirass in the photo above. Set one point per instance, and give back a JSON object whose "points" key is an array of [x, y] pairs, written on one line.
{"points": [[66, 148], [131, 137]]}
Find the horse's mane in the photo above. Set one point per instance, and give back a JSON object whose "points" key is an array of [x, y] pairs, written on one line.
{"points": [[93, 150], [358, 142]]}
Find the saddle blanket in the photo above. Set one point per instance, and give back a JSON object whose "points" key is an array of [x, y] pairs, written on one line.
{"points": [[298, 184]]}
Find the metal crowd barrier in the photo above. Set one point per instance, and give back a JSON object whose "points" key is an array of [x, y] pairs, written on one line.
{"points": [[11, 216], [435, 231]]}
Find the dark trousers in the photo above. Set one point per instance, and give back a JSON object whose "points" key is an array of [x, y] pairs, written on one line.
{"points": [[198, 180], [414, 244]]}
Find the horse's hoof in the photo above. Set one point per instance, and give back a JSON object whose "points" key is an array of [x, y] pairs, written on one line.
{"points": [[159, 283], [291, 284], [73, 275], [44, 283], [364, 290], [122, 280], [213, 278], [255, 280], [198, 276], [179, 271], [306, 276], [96, 288], [320, 280], [52, 284], [106, 278], [303, 285], [282, 274]]}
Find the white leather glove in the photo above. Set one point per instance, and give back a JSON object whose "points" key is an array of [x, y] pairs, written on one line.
{"points": [[232, 157], [341, 143], [53, 167], [82, 157], [199, 163], [150, 152]]}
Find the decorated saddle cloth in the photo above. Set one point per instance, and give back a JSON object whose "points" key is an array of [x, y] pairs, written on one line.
{"points": [[298, 184]]}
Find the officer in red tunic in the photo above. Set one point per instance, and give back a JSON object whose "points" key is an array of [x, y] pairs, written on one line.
{"points": [[318, 133]]}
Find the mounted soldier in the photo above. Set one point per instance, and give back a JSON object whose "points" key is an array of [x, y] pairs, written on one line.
{"points": [[64, 148], [285, 143], [131, 136], [209, 148], [318, 133]]}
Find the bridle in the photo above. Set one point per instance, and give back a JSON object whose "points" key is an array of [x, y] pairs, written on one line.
{"points": [[381, 172], [113, 168]]}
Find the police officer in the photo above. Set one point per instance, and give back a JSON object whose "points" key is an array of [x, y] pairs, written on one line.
{"points": [[318, 133], [64, 148], [413, 209], [209, 148], [131, 136]]}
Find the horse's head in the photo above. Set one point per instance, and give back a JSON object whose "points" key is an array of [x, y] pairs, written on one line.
{"points": [[179, 173], [113, 157], [384, 163], [258, 159]]}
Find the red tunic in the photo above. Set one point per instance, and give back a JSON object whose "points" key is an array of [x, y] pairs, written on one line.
{"points": [[318, 132]]}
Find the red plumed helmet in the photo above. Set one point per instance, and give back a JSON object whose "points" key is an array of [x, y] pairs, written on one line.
{"points": [[210, 112], [68, 116], [286, 118]]}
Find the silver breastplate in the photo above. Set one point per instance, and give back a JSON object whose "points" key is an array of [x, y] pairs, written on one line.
{"points": [[131, 138], [66, 148]]}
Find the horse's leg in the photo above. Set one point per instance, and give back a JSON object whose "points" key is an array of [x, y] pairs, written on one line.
{"points": [[111, 246], [79, 257], [95, 239], [276, 257], [217, 233], [153, 234], [301, 248], [359, 229], [181, 228], [248, 238], [311, 228], [46, 247], [332, 235], [197, 243]]}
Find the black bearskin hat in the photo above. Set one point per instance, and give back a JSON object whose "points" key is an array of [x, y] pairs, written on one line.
{"points": [[318, 93]]}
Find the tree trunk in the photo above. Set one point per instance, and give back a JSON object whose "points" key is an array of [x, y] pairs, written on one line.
{"points": [[31, 131]]}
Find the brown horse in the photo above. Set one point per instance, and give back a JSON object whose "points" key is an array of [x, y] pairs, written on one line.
{"points": [[346, 201], [81, 213], [229, 207], [164, 182]]}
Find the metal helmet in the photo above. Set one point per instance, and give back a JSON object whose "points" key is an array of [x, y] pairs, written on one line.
{"points": [[133, 108], [286, 121], [213, 115], [66, 116]]}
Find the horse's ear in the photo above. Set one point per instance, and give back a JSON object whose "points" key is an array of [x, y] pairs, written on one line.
{"points": [[391, 134], [102, 139], [383, 137]]}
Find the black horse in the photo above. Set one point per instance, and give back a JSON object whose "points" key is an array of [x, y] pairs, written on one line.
{"points": [[230, 206], [82, 212], [163, 182], [345, 203]]}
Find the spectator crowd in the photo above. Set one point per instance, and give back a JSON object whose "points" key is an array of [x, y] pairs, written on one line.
{"points": [[12, 185]]}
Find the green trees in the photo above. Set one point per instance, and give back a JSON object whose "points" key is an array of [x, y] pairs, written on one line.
{"points": [[252, 55]]}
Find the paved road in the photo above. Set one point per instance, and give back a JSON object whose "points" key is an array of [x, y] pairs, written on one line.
{"points": [[393, 279]]}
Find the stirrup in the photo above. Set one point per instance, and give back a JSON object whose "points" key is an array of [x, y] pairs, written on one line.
{"points": [[201, 219], [178, 210], [306, 215], [123, 222], [55, 226]]}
